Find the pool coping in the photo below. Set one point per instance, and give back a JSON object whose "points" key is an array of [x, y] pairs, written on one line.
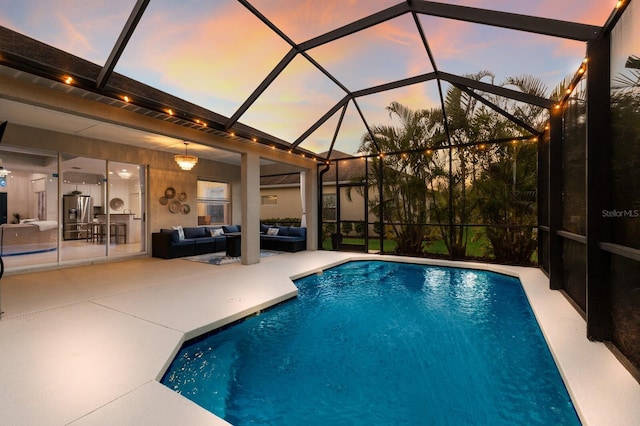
{"points": [[176, 303]]}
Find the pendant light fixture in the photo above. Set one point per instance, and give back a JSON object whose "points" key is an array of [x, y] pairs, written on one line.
{"points": [[3, 171], [186, 161]]}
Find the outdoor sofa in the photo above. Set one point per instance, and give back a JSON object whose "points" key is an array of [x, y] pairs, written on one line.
{"points": [[283, 238], [169, 244]]}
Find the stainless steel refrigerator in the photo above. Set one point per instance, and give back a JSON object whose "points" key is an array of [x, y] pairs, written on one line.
{"points": [[76, 216]]}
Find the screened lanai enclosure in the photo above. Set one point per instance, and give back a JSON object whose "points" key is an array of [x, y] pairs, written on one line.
{"points": [[479, 130], [552, 180]]}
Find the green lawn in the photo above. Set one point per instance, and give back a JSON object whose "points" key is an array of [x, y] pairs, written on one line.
{"points": [[478, 245]]}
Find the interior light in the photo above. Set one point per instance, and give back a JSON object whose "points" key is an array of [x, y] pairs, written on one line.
{"points": [[254, 139], [3, 171], [170, 111], [186, 161], [68, 79], [126, 98], [124, 174], [619, 4]]}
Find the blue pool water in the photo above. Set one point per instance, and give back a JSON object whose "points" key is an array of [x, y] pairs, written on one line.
{"points": [[381, 343]]}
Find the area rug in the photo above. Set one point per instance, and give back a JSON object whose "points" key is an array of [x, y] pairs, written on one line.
{"points": [[222, 259]]}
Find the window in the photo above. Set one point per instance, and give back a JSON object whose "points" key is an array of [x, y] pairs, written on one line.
{"points": [[269, 200], [214, 202], [329, 207]]}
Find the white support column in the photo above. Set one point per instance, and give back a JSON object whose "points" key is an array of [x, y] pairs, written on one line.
{"points": [[311, 207], [250, 170]]}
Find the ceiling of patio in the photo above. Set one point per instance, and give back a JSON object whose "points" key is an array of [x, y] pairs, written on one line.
{"points": [[284, 72]]}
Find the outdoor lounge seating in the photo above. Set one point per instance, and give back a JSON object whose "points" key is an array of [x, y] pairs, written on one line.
{"points": [[283, 238], [169, 244]]}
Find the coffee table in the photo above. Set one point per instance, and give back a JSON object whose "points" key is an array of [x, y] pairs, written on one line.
{"points": [[234, 243]]}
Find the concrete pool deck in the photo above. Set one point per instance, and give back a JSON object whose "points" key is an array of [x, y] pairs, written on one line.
{"points": [[86, 345]]}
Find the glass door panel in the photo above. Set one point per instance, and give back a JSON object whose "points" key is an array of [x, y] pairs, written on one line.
{"points": [[29, 225], [83, 195], [126, 209]]}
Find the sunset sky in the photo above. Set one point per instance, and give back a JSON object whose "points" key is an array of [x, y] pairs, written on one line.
{"points": [[215, 53]]}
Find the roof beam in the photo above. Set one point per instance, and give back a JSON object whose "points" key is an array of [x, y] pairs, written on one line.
{"points": [[514, 21], [343, 102], [366, 125], [355, 26], [337, 131], [261, 88], [364, 92], [121, 43], [499, 110], [496, 90], [291, 43], [395, 84]]}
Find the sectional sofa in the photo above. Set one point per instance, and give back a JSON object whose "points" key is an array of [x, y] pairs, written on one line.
{"points": [[170, 243], [283, 238]]}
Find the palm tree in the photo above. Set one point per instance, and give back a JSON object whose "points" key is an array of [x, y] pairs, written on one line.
{"points": [[404, 191], [433, 181], [506, 187]]}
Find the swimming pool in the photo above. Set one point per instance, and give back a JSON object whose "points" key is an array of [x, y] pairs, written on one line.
{"points": [[382, 343]]}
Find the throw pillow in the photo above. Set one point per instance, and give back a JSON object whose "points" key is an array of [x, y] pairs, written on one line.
{"points": [[215, 232], [272, 231], [180, 232]]}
